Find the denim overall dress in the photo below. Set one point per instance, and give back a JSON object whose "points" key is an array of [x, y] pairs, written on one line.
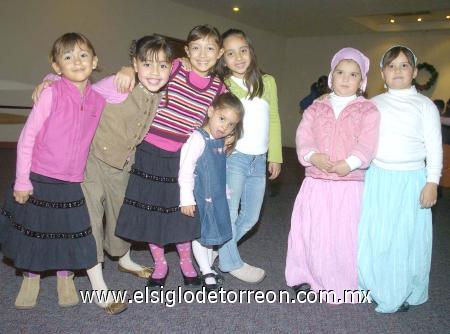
{"points": [[210, 192]]}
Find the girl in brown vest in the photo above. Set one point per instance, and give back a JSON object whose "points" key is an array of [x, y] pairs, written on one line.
{"points": [[125, 121]]}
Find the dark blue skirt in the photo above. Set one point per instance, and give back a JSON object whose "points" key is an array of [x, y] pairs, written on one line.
{"points": [[151, 211], [51, 231]]}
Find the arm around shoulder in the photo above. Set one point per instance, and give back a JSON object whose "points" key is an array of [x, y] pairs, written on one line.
{"points": [[108, 90]]}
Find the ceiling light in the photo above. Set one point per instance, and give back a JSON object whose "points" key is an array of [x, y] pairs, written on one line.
{"points": [[236, 9], [419, 19], [448, 17], [392, 20]]}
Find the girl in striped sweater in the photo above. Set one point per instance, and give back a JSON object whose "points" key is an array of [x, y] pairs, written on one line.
{"points": [[151, 212]]}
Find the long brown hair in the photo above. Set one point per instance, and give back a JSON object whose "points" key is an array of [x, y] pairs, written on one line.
{"points": [[253, 76]]}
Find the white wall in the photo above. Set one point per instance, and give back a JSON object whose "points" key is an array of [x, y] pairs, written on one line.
{"points": [[28, 29], [308, 58]]}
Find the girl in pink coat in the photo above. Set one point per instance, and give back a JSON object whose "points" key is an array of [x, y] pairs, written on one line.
{"points": [[336, 140]]}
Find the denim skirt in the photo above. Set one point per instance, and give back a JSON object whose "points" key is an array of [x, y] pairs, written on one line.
{"points": [[51, 231]]}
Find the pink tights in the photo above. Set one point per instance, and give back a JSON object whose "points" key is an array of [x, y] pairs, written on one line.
{"points": [[161, 268]]}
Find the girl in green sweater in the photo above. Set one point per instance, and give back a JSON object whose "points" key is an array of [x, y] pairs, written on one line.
{"points": [[246, 165]]}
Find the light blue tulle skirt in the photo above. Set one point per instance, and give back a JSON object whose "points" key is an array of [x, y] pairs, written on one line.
{"points": [[394, 239]]}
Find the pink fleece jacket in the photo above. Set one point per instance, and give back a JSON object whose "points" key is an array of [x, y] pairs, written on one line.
{"points": [[56, 137], [354, 132]]}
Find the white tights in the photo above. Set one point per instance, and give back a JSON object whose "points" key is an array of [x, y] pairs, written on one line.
{"points": [[204, 257]]}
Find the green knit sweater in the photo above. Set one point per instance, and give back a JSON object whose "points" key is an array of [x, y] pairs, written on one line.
{"points": [[270, 95]]}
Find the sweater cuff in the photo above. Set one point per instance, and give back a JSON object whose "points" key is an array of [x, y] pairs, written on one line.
{"points": [[354, 162], [23, 185], [187, 198], [433, 179], [308, 156]]}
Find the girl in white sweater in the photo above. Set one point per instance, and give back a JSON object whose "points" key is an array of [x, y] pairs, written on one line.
{"points": [[395, 232]]}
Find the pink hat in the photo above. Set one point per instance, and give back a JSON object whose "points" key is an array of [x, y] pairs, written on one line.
{"points": [[355, 55]]}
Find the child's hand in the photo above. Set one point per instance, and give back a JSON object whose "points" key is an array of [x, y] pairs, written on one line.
{"points": [[321, 161], [186, 63], [341, 168], [229, 141], [22, 196], [125, 79], [428, 195], [274, 169], [39, 88], [188, 210]]}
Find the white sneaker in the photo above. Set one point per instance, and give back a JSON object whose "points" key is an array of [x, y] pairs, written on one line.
{"points": [[249, 274]]}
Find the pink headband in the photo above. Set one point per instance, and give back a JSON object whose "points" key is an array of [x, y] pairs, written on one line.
{"points": [[355, 55]]}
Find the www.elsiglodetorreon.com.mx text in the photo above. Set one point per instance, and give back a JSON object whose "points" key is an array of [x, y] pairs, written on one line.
{"points": [[172, 297]]}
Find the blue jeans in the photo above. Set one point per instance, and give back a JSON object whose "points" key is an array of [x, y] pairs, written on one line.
{"points": [[246, 182]]}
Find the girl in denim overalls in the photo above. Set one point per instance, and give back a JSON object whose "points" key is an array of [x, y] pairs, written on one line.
{"points": [[202, 180]]}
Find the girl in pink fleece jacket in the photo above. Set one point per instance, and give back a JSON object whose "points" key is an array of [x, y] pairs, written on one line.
{"points": [[336, 140], [45, 223]]}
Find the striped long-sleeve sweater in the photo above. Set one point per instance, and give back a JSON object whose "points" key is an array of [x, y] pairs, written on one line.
{"points": [[183, 108]]}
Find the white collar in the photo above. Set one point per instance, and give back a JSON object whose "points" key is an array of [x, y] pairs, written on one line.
{"points": [[403, 92], [342, 99]]}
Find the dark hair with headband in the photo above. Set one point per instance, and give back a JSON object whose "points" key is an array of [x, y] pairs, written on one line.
{"points": [[394, 52]]}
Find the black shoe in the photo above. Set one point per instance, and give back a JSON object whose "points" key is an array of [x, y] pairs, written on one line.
{"points": [[404, 307], [191, 281], [157, 282], [210, 287], [306, 287], [301, 287], [219, 277]]}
